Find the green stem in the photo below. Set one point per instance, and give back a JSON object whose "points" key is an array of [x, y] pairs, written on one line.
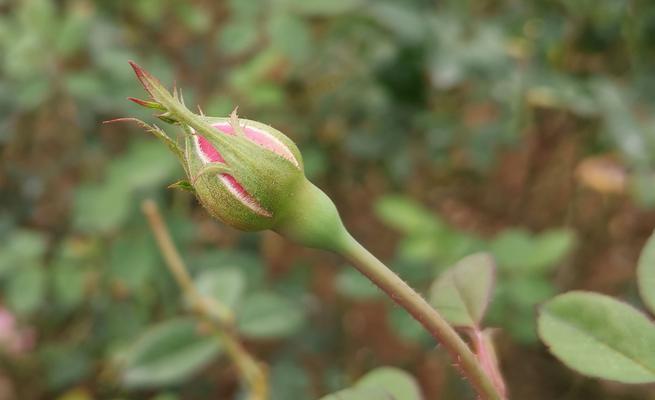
{"points": [[432, 321], [215, 313]]}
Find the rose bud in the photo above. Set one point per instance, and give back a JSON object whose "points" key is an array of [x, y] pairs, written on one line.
{"points": [[250, 176], [245, 173]]}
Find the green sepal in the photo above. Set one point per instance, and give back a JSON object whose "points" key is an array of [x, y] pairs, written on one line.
{"points": [[161, 135], [183, 184], [166, 118], [213, 168], [148, 104]]}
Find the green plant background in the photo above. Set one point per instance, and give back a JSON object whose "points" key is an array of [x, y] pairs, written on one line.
{"points": [[439, 129]]}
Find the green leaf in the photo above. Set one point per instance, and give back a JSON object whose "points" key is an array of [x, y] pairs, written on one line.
{"points": [[26, 289], [72, 355], [67, 282], [646, 274], [133, 260], [147, 164], [406, 23], [225, 285], [519, 251], [290, 35], [514, 307], [359, 394], [100, 208], [551, 247], [269, 316], [599, 336], [290, 380], [395, 382], [168, 354], [237, 36], [22, 247], [462, 293], [383, 383], [405, 215], [321, 7], [104, 207]]}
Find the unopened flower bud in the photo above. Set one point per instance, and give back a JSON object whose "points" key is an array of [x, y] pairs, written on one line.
{"points": [[245, 173]]}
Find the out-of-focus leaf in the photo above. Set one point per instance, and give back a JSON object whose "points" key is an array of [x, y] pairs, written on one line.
{"points": [[289, 380], [551, 247], [68, 282], [77, 362], [237, 36], [103, 208], [249, 264], [646, 274], [290, 34], [419, 248], [84, 85], [512, 248], [168, 354], [406, 327], [642, 188], [147, 164], [599, 336], [149, 10], [253, 74], [407, 23], [72, 33], [21, 247], [33, 93], [322, 8], [405, 215], [132, 260], [518, 251], [463, 292], [397, 383], [26, 289], [225, 285], [514, 306], [385, 383], [196, 19], [621, 125], [353, 285], [359, 394], [267, 315], [100, 208]]}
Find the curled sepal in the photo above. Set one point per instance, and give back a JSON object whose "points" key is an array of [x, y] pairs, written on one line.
{"points": [[147, 104], [156, 132], [183, 184], [212, 168]]}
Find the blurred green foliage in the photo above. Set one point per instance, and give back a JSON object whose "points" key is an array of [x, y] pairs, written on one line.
{"points": [[485, 105], [525, 261]]}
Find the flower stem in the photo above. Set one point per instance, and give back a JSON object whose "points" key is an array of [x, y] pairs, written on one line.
{"points": [[219, 316], [432, 321], [484, 349]]}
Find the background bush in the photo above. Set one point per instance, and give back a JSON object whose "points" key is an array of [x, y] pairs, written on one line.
{"points": [[440, 128]]}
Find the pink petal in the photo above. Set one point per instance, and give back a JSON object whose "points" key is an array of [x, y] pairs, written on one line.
{"points": [[262, 138], [244, 197], [209, 154], [207, 151]]}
